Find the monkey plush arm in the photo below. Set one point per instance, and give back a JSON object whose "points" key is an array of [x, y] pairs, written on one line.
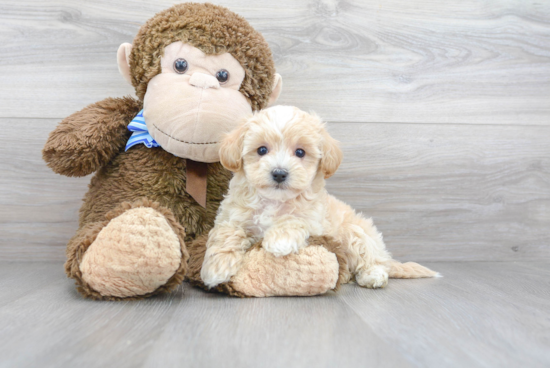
{"points": [[88, 139]]}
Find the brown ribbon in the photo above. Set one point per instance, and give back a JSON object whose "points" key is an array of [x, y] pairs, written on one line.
{"points": [[197, 174]]}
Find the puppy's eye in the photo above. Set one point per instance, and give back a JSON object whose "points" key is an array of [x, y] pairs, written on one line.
{"points": [[262, 150], [180, 66], [300, 152], [222, 76]]}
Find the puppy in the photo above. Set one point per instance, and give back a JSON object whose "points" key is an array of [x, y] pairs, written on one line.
{"points": [[280, 158]]}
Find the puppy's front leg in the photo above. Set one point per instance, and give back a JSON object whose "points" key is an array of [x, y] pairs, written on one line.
{"points": [[289, 234], [225, 249]]}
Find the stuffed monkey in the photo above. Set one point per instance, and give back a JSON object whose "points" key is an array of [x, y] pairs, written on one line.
{"points": [[197, 70]]}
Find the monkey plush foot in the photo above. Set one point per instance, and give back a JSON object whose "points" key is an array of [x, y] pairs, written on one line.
{"points": [[138, 253], [315, 270]]}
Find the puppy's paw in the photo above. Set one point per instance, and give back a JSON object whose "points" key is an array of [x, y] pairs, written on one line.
{"points": [[282, 243], [373, 278], [219, 267]]}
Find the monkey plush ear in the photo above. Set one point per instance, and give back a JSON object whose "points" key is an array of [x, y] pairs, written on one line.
{"points": [[231, 149], [332, 155], [123, 60], [277, 88]]}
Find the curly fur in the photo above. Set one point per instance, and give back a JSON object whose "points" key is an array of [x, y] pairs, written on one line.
{"points": [[285, 214]]}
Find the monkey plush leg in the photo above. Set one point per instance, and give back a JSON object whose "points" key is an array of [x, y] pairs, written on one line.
{"points": [[316, 269], [137, 252]]}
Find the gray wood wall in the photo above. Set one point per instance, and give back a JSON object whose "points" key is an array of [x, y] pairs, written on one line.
{"points": [[442, 106]]}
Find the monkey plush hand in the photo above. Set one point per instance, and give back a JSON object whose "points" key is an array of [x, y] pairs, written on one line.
{"points": [[197, 70]]}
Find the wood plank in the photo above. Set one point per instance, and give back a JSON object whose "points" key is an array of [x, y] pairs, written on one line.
{"points": [[427, 61], [52, 326], [188, 327], [450, 192], [38, 208], [17, 280], [437, 192], [276, 332], [478, 315]]}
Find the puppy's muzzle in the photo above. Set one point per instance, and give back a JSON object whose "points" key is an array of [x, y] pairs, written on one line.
{"points": [[279, 175]]}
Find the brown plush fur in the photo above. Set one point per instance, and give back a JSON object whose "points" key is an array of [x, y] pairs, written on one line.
{"points": [[159, 176], [89, 139], [197, 249], [140, 172], [212, 29]]}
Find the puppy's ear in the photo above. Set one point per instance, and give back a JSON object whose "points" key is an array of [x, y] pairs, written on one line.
{"points": [[231, 149], [332, 155]]}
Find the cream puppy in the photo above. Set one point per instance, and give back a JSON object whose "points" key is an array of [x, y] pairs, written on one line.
{"points": [[281, 157]]}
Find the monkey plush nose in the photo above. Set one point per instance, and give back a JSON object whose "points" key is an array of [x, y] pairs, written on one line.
{"points": [[279, 175], [201, 80]]}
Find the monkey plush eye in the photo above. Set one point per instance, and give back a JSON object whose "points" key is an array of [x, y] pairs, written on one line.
{"points": [[300, 152], [180, 66], [262, 150], [222, 76]]}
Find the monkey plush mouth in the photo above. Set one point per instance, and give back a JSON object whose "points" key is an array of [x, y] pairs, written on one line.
{"points": [[179, 140], [188, 121]]}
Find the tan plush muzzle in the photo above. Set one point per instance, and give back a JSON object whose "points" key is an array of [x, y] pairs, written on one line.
{"points": [[188, 112]]}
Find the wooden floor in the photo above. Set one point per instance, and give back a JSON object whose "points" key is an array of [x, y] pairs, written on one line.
{"points": [[480, 314], [442, 108]]}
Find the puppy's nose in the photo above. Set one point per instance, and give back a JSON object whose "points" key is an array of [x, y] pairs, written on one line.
{"points": [[279, 175]]}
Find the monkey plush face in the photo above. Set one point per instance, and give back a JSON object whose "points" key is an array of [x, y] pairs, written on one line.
{"points": [[200, 69], [194, 101]]}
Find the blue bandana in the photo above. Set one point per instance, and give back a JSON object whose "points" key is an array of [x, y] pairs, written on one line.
{"points": [[140, 133]]}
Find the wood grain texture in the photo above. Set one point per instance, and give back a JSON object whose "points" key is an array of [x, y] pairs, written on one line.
{"points": [[437, 192], [426, 61], [450, 192], [480, 314], [444, 322], [442, 108]]}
